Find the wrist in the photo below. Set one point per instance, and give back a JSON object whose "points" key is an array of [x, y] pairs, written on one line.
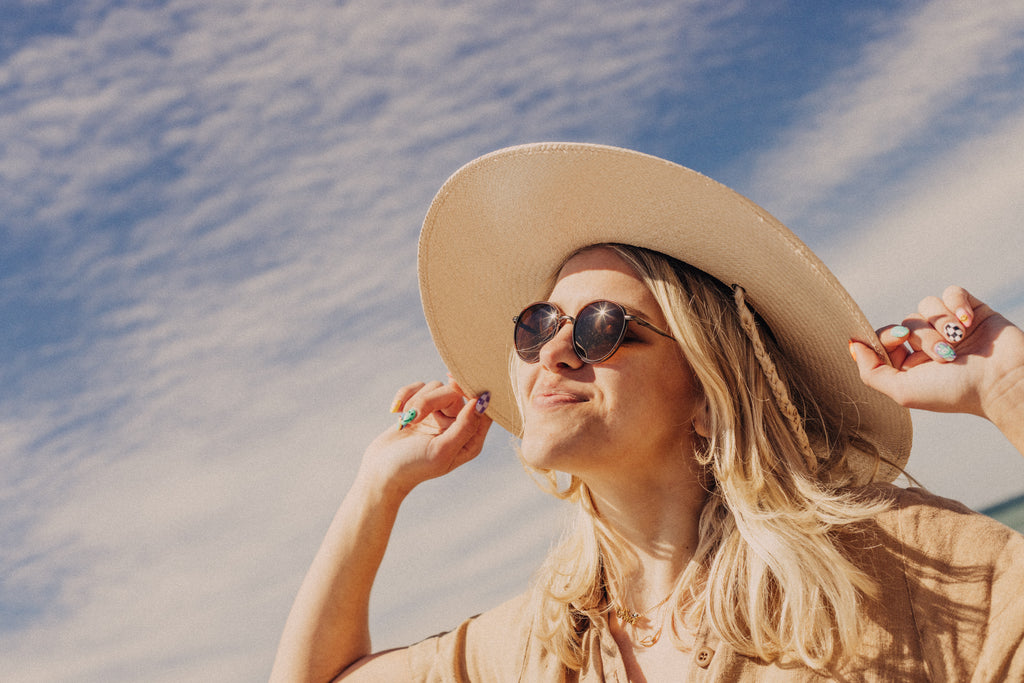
{"points": [[1004, 406], [378, 485]]}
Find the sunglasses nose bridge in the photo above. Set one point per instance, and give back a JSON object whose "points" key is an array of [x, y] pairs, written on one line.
{"points": [[562, 320], [546, 347]]}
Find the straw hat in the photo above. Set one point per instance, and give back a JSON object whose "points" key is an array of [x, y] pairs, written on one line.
{"points": [[502, 224]]}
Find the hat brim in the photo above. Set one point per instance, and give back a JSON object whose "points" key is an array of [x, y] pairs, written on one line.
{"points": [[502, 224]]}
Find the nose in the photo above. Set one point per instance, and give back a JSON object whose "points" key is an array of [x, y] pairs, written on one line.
{"points": [[558, 352]]}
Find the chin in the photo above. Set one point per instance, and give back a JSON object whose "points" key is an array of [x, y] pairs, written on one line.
{"points": [[563, 451]]}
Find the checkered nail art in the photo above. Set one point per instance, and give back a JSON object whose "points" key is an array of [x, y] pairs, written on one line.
{"points": [[954, 332]]}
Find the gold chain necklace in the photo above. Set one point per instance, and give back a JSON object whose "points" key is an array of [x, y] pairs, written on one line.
{"points": [[628, 616]]}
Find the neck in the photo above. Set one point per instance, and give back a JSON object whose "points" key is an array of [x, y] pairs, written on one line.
{"points": [[658, 518]]}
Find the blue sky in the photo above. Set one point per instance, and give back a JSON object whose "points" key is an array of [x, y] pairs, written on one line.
{"points": [[208, 290]]}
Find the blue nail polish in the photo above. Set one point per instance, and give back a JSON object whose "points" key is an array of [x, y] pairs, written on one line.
{"points": [[482, 402], [407, 417], [945, 351], [899, 332]]}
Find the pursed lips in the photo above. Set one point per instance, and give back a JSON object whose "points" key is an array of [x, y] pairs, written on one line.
{"points": [[552, 398]]}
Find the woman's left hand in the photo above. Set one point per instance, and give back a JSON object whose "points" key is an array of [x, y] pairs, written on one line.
{"points": [[963, 357]]}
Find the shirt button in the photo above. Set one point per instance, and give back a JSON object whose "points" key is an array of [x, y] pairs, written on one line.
{"points": [[704, 656]]}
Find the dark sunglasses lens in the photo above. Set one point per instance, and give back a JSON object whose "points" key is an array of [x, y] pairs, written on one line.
{"points": [[535, 327], [598, 330]]}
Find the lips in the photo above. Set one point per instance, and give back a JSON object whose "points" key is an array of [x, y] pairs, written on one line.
{"points": [[555, 397]]}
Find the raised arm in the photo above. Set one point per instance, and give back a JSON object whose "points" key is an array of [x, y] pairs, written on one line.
{"points": [[328, 626], [963, 357]]}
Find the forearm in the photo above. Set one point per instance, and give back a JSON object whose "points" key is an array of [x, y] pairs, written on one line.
{"points": [[328, 627]]}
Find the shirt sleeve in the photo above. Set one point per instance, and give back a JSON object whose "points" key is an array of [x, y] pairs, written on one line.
{"points": [[965, 574], [494, 646], [1002, 652]]}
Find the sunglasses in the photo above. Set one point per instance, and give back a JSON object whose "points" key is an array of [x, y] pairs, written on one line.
{"points": [[597, 330]]}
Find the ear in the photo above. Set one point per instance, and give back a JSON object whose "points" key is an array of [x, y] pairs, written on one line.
{"points": [[702, 418]]}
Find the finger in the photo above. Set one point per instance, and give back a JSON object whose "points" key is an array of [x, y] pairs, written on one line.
{"points": [[403, 395], [482, 400], [958, 300], [943, 320], [925, 339], [433, 398], [464, 439], [874, 372], [864, 356], [894, 338]]}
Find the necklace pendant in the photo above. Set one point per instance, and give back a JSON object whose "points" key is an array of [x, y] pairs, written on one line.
{"points": [[627, 616]]}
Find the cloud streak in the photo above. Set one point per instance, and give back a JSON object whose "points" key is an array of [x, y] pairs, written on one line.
{"points": [[209, 245], [933, 64]]}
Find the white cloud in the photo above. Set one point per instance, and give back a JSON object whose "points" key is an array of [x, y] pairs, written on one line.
{"points": [[228, 194], [936, 59]]}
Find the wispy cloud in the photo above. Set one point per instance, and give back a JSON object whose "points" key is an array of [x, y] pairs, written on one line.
{"points": [[225, 198], [929, 66], [210, 212]]}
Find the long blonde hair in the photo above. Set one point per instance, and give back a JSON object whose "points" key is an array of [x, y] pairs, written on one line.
{"points": [[768, 576]]}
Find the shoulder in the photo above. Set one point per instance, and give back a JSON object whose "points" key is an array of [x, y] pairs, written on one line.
{"points": [[942, 527], [949, 581], [502, 640], [497, 645], [939, 550], [506, 626]]}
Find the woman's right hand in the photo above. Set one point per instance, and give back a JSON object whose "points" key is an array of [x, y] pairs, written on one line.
{"points": [[328, 628], [448, 430]]}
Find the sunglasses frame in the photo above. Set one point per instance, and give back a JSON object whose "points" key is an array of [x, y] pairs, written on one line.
{"points": [[564, 318]]}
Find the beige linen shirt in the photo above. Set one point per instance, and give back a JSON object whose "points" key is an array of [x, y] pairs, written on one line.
{"points": [[951, 609]]}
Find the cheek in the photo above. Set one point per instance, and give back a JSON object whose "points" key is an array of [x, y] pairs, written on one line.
{"points": [[669, 402]]}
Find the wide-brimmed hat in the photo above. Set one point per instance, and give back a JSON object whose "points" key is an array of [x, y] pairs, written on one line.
{"points": [[503, 223]]}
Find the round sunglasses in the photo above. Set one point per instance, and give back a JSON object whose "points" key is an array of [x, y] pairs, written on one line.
{"points": [[597, 330]]}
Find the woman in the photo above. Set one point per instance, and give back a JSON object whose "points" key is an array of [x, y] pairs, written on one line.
{"points": [[685, 366]]}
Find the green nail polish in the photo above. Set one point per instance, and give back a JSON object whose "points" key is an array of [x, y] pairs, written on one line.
{"points": [[407, 417], [945, 351], [899, 332]]}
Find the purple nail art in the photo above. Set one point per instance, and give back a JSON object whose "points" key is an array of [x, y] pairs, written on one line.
{"points": [[945, 351], [954, 332], [482, 402]]}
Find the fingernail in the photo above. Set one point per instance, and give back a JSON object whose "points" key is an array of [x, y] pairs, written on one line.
{"points": [[954, 332], [853, 352], [963, 316], [482, 402], [407, 417], [396, 406], [945, 351], [899, 332]]}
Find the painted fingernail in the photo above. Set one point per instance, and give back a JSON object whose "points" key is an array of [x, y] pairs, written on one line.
{"points": [[954, 332], [945, 351], [407, 417], [899, 332], [963, 316], [396, 406], [853, 352], [482, 401]]}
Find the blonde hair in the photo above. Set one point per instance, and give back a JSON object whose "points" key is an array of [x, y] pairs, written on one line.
{"points": [[768, 576]]}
